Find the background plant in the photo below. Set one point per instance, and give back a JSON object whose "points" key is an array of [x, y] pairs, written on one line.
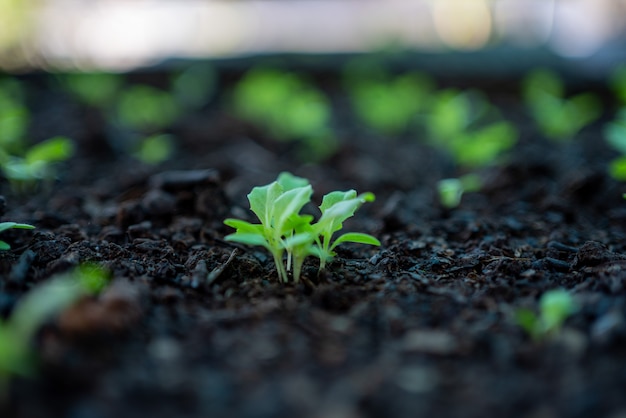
{"points": [[17, 355], [558, 117], [290, 108], [555, 306], [388, 105]]}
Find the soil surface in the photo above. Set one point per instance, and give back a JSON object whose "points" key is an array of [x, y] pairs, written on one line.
{"points": [[194, 326]]}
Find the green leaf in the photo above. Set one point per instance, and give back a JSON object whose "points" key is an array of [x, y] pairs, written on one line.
{"points": [[617, 168], [262, 200], [356, 237], [51, 150], [556, 306], [288, 205], [335, 197], [288, 181], [4, 246], [14, 225], [248, 238], [527, 319]]}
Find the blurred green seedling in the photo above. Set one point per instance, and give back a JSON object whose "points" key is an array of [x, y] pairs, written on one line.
{"points": [[11, 225], [146, 109], [18, 357], [615, 136], [290, 108], [555, 306], [98, 90], [617, 83], [285, 231], [14, 116], [451, 190], [37, 164], [388, 105], [558, 117]]}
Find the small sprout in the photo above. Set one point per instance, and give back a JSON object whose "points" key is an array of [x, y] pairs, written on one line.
{"points": [[290, 108], [558, 117], [36, 164], [555, 306], [155, 149], [451, 190], [388, 105], [17, 357], [615, 136], [94, 89], [11, 225], [146, 109], [284, 231]]}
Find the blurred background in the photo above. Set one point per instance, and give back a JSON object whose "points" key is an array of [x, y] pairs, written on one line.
{"points": [[121, 35]]}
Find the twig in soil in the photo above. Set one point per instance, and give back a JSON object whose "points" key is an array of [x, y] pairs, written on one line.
{"points": [[217, 272]]}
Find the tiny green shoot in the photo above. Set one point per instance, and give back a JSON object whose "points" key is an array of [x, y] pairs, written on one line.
{"points": [[555, 306], [558, 117], [285, 231], [11, 225], [36, 164], [451, 190], [17, 356]]}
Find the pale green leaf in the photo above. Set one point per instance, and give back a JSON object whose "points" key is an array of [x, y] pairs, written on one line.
{"points": [[288, 181], [356, 237], [262, 199]]}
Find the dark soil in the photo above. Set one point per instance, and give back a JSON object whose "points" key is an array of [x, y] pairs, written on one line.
{"points": [[193, 326]]}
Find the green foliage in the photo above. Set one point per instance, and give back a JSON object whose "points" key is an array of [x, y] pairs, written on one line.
{"points": [[194, 87], [618, 83], [469, 129], [11, 225], [36, 164], [615, 136], [94, 89], [283, 229], [14, 116], [146, 109], [17, 358], [451, 190], [555, 306], [559, 118], [289, 107], [155, 149], [388, 105]]}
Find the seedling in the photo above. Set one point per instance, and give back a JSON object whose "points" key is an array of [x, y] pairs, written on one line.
{"points": [[385, 104], [558, 117], [284, 231], [17, 357], [36, 164], [555, 307], [94, 89], [11, 225], [615, 135], [618, 83], [14, 116], [451, 190], [146, 109], [290, 108]]}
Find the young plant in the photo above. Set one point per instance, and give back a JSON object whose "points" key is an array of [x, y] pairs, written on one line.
{"points": [[615, 135], [388, 105], [290, 108], [11, 225], [555, 306], [451, 190], [558, 117], [36, 164], [17, 357], [284, 231]]}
